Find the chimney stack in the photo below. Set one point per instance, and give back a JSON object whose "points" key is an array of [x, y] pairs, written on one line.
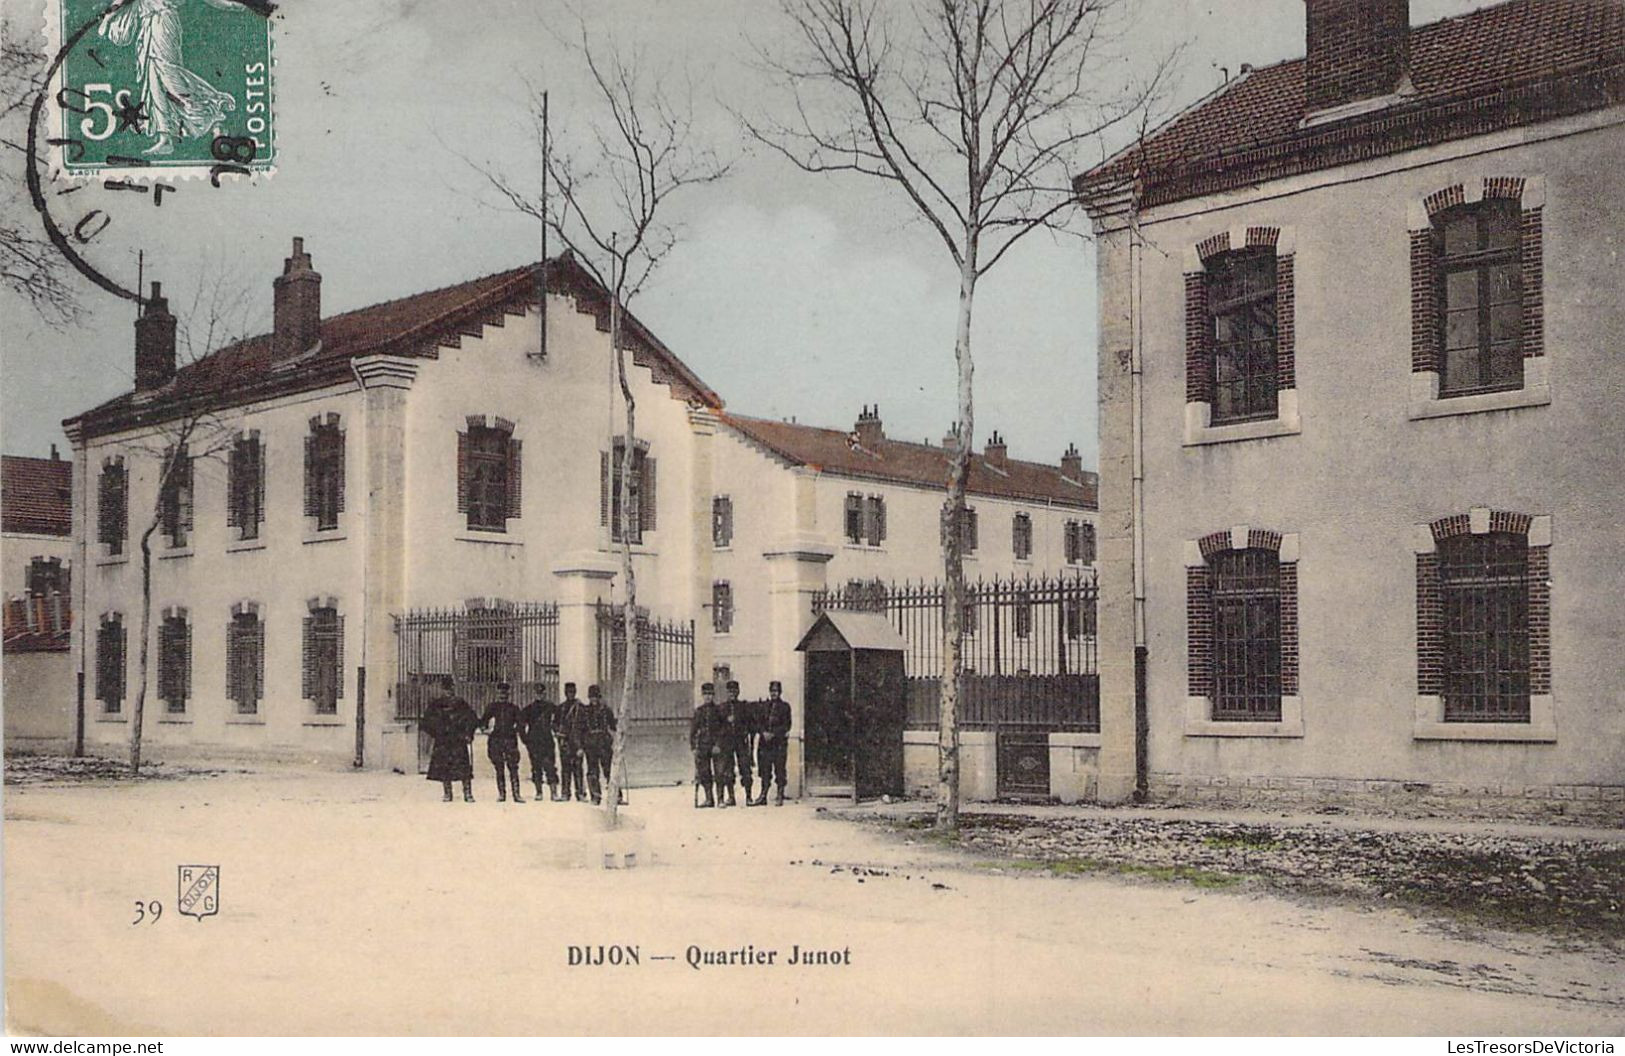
{"points": [[996, 453], [1072, 463], [1356, 50], [950, 439], [154, 342], [869, 431], [296, 317]]}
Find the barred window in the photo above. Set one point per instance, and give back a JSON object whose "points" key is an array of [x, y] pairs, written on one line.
{"points": [[322, 663], [642, 491], [47, 576], [175, 499], [488, 476], [245, 487], [174, 663], [1241, 305], [245, 661], [1484, 588], [324, 472], [1021, 536], [1480, 297], [110, 664], [1246, 635], [722, 606], [112, 506], [722, 521], [1080, 542]]}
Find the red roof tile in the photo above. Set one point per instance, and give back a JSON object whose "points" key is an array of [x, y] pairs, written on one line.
{"points": [[36, 495], [417, 325], [1512, 64], [833, 451]]}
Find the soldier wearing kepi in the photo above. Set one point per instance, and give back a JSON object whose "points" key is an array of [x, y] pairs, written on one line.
{"points": [[702, 741], [501, 718], [742, 713], [450, 722], [569, 747], [772, 750], [595, 732], [730, 742], [536, 724]]}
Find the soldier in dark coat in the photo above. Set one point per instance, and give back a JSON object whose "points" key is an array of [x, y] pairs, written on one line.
{"points": [[536, 722], [569, 747], [450, 722], [742, 715], [772, 750], [730, 741], [501, 719], [595, 732], [702, 741]]}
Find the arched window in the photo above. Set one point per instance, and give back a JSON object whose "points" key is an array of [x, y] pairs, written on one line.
{"points": [[1477, 248]]}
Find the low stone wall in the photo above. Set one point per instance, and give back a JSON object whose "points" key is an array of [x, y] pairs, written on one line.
{"points": [[1591, 803], [1074, 765]]}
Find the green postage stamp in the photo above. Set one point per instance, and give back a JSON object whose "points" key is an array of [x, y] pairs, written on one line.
{"points": [[148, 87]]}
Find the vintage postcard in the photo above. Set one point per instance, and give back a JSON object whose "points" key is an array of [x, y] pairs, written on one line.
{"points": [[821, 517]]}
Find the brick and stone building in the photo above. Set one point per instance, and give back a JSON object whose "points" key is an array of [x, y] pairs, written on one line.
{"points": [[1360, 321], [36, 563], [427, 453]]}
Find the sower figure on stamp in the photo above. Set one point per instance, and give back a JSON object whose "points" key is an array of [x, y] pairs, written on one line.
{"points": [[450, 722], [702, 741], [730, 741], [569, 748], [742, 714], [501, 718], [595, 733], [536, 724], [772, 749]]}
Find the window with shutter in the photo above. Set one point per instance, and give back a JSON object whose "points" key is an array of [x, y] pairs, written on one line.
{"points": [[112, 506], [722, 607], [245, 487], [323, 660], [874, 520], [110, 664], [722, 521], [968, 530], [324, 472], [174, 663], [1024, 614], [854, 517], [485, 459], [245, 661], [642, 491], [1021, 536], [175, 503], [1086, 542]]}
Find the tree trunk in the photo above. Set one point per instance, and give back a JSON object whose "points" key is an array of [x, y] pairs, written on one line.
{"points": [[629, 608], [953, 559], [140, 707]]}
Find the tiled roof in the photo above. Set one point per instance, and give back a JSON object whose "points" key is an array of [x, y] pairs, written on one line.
{"points": [[36, 495], [833, 451], [1500, 67], [411, 326]]}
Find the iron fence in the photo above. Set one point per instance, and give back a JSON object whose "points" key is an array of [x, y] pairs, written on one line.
{"points": [[479, 648], [664, 686]]}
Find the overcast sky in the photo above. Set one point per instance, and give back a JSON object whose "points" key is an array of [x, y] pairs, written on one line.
{"points": [[790, 294]]}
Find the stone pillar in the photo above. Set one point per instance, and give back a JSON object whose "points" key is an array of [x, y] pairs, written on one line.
{"points": [[797, 569], [385, 382], [584, 582], [702, 423]]}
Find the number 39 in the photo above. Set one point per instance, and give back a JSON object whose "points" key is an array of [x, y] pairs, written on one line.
{"points": [[145, 910], [121, 101]]}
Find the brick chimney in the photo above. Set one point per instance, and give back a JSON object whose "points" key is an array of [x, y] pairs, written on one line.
{"points": [[1072, 463], [154, 342], [296, 317], [950, 439], [996, 453], [869, 431], [1357, 49]]}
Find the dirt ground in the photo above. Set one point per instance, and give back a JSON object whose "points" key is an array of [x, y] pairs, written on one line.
{"points": [[359, 903]]}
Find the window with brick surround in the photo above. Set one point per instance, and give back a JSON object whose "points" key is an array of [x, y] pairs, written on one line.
{"points": [[322, 659], [642, 490], [489, 472], [1483, 618], [1242, 626], [245, 486], [722, 521], [175, 498], [1021, 536], [110, 663], [112, 506], [174, 662], [324, 472], [722, 607], [1477, 313], [1241, 309], [245, 660]]}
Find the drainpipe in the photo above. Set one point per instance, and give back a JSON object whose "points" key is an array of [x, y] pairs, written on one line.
{"points": [[1137, 506], [366, 584]]}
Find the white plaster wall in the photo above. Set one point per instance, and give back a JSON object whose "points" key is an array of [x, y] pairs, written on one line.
{"points": [[1361, 474], [38, 700]]}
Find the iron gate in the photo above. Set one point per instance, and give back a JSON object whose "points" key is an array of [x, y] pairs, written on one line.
{"points": [[662, 697], [479, 647]]}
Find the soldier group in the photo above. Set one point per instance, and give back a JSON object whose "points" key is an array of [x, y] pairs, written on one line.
{"points": [[572, 741], [724, 737]]}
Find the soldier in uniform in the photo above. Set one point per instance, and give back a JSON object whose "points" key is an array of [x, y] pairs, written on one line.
{"points": [[702, 734], [569, 748], [450, 722], [596, 735], [536, 723], [501, 719], [730, 742], [742, 713], [772, 749]]}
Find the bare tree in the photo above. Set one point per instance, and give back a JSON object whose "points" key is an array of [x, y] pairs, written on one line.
{"points": [[975, 110], [30, 266], [609, 205], [195, 436]]}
